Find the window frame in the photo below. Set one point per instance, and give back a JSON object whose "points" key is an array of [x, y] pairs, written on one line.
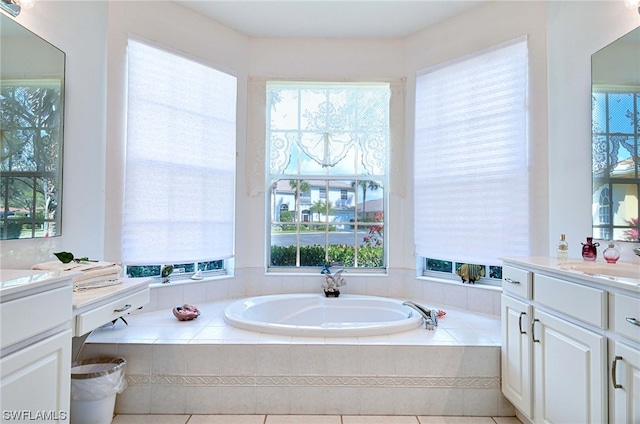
{"points": [[226, 116], [383, 180], [606, 228]]}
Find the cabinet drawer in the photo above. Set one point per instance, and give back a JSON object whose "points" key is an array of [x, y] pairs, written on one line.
{"points": [[584, 303], [29, 316], [516, 281], [101, 315], [626, 316]]}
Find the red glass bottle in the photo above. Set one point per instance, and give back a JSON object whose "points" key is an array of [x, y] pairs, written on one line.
{"points": [[589, 250]]}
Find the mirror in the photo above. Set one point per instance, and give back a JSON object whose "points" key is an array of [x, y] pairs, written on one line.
{"points": [[615, 79], [31, 109]]}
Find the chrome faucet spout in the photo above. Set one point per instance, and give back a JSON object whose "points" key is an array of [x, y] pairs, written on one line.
{"points": [[430, 316]]}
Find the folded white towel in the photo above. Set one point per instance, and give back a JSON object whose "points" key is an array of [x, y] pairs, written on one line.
{"points": [[89, 271], [88, 285], [72, 266]]}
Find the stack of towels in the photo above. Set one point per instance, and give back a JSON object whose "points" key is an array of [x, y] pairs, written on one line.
{"points": [[94, 274]]}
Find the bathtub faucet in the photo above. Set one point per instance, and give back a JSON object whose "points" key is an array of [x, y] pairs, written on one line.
{"points": [[430, 316]]}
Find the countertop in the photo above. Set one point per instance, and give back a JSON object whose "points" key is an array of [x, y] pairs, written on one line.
{"points": [[15, 282], [598, 272], [90, 298]]}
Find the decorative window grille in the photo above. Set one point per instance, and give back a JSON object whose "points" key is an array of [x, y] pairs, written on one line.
{"points": [[616, 162], [327, 153]]}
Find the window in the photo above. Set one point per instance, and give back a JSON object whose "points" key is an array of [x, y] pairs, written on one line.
{"points": [[30, 171], [471, 169], [180, 161], [616, 168], [328, 153]]}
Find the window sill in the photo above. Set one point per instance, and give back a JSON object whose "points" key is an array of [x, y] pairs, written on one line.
{"points": [[180, 282], [478, 285]]}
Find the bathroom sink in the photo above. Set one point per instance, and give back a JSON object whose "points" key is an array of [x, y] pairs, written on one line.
{"points": [[623, 270]]}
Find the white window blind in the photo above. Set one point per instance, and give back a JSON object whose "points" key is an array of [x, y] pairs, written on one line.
{"points": [[471, 167], [180, 159]]}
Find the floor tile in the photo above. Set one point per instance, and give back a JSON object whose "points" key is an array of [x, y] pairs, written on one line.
{"points": [[150, 419], [507, 420], [379, 419], [455, 420], [303, 419], [227, 419]]}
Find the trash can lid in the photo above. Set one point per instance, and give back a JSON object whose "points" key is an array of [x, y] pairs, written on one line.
{"points": [[96, 367]]}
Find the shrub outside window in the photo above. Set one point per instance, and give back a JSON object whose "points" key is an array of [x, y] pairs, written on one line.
{"points": [[327, 156]]}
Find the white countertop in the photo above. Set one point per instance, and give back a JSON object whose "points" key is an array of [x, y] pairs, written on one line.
{"points": [[93, 297], [16, 281], [598, 272]]}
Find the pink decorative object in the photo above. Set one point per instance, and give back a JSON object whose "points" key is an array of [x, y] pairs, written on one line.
{"points": [[186, 312], [589, 250], [611, 254]]}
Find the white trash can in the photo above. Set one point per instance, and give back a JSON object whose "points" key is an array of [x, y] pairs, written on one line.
{"points": [[94, 385]]}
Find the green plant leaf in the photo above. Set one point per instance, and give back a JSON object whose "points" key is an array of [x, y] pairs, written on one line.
{"points": [[64, 257]]}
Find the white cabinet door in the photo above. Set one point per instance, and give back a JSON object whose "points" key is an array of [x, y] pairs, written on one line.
{"points": [[625, 382], [36, 380], [570, 372], [516, 354]]}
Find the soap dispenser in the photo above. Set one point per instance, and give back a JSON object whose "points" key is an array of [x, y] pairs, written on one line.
{"points": [[563, 248]]}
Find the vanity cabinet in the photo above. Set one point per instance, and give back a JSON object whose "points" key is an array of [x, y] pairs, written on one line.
{"points": [[35, 364], [517, 354], [625, 384], [554, 346], [624, 360]]}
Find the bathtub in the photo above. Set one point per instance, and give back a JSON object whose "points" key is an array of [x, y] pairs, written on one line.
{"points": [[315, 315]]}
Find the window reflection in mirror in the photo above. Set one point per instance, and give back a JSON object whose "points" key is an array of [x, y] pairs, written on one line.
{"points": [[31, 108], [615, 73]]}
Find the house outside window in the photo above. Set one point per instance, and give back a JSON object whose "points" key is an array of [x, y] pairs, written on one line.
{"points": [[616, 169], [325, 141]]}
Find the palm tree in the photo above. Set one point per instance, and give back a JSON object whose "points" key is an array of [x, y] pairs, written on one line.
{"points": [[365, 185], [320, 207], [298, 186]]}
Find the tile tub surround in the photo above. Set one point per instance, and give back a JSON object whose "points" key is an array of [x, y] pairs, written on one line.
{"points": [[206, 367]]}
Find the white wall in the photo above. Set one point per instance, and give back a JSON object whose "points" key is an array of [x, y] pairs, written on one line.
{"points": [[483, 27], [560, 164], [79, 29], [576, 30], [170, 26]]}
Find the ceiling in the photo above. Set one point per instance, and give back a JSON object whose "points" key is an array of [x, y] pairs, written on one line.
{"points": [[329, 19]]}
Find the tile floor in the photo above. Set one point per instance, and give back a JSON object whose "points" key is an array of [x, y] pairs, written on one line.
{"points": [[306, 419]]}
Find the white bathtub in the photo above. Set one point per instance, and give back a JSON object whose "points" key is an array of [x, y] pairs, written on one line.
{"points": [[318, 316]]}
